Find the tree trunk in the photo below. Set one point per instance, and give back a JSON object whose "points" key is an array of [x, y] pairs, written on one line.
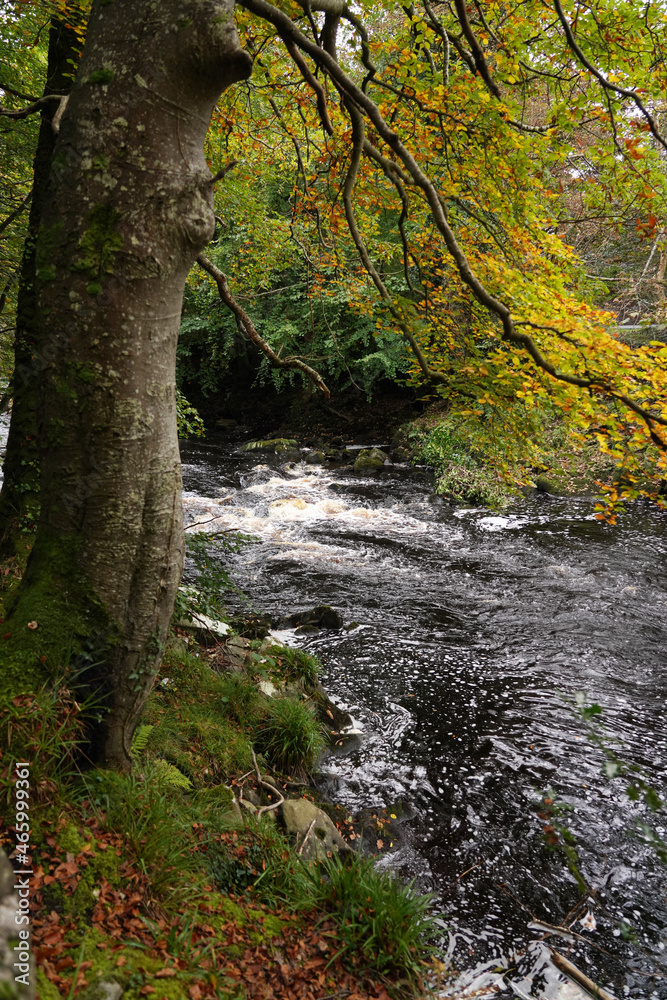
{"points": [[19, 499], [130, 205]]}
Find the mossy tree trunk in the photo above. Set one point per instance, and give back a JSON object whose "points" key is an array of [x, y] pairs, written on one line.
{"points": [[19, 499], [129, 207]]}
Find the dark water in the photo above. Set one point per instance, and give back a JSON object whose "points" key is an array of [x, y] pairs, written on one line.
{"points": [[475, 633]]}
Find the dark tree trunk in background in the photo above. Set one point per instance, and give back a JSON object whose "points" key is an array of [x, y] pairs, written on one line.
{"points": [[19, 499], [129, 207]]}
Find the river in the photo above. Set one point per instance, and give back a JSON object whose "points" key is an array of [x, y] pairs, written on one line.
{"points": [[474, 632]]}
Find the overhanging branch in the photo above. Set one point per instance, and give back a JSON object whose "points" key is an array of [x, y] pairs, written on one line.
{"points": [[251, 332]]}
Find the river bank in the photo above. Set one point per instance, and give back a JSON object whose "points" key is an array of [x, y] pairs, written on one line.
{"points": [[475, 630], [179, 880]]}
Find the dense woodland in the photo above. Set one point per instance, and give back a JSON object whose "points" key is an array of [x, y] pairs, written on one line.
{"points": [[461, 203]]}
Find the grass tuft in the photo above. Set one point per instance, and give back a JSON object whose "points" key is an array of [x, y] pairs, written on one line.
{"points": [[377, 917], [290, 736]]}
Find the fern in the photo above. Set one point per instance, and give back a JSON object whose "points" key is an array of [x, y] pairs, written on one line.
{"points": [[140, 739], [170, 775]]}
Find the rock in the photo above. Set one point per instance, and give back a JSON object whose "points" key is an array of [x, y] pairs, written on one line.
{"points": [[236, 653], [402, 454], [279, 446], [323, 616], [10, 937], [544, 485], [333, 455], [226, 425], [252, 797], [370, 459], [333, 717], [316, 458], [323, 839], [268, 689]]}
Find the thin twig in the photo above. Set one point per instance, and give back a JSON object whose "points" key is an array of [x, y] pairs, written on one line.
{"points": [[308, 833], [268, 787], [581, 978]]}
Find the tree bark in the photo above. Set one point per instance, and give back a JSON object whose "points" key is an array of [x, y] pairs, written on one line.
{"points": [[129, 207], [19, 499]]}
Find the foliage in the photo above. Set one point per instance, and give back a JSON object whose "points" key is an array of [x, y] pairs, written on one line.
{"points": [[523, 154], [261, 861], [380, 920], [290, 736], [293, 665], [46, 729], [205, 561], [155, 824], [190, 424]]}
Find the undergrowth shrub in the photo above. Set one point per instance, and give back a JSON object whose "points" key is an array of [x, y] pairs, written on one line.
{"points": [[46, 730], [290, 735], [259, 861], [377, 917]]}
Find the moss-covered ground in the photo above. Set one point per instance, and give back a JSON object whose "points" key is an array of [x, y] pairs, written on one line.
{"points": [[159, 882]]}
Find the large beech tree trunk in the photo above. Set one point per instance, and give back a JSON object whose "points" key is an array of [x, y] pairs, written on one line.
{"points": [[129, 207]]}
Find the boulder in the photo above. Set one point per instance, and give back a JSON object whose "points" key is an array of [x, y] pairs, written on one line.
{"points": [[301, 816], [279, 446], [371, 459], [323, 616], [316, 458]]}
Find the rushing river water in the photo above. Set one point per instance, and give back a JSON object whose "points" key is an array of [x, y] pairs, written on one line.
{"points": [[475, 632]]}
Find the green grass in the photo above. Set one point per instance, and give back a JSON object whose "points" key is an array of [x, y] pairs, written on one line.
{"points": [[290, 736], [156, 822], [379, 918], [294, 666]]}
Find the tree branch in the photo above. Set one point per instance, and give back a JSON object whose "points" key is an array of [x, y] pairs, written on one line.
{"points": [[630, 94], [31, 109], [249, 328], [17, 211]]}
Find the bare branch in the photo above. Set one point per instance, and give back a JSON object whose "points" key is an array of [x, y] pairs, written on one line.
{"points": [[223, 171], [17, 211], [31, 109], [17, 93], [313, 83], [250, 330]]}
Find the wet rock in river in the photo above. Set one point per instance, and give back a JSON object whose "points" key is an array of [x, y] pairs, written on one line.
{"points": [[323, 616], [371, 459], [285, 447], [334, 718], [316, 458]]}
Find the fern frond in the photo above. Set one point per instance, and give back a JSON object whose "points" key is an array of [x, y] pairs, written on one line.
{"points": [[140, 739], [170, 775]]}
